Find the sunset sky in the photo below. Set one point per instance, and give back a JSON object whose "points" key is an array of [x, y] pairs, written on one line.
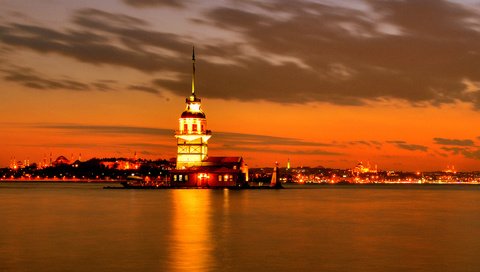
{"points": [[323, 83]]}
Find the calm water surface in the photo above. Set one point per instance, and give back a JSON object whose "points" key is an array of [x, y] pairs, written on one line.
{"points": [[80, 227]]}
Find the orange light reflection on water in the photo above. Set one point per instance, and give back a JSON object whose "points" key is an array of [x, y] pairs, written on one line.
{"points": [[191, 231]]}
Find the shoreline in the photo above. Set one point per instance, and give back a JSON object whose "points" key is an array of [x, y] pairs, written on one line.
{"points": [[82, 181], [59, 181]]}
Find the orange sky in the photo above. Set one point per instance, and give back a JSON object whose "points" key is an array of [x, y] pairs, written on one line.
{"points": [[110, 79]]}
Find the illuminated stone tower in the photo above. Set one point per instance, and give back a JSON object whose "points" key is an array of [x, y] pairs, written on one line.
{"points": [[192, 134]]}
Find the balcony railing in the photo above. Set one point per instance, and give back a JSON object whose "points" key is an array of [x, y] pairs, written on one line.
{"points": [[186, 132]]}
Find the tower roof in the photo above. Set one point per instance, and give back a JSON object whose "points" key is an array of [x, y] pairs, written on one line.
{"points": [[190, 114]]}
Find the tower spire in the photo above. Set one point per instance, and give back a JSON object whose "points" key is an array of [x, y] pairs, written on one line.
{"points": [[193, 74]]}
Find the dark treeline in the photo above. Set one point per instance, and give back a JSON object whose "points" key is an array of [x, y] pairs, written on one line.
{"points": [[95, 168]]}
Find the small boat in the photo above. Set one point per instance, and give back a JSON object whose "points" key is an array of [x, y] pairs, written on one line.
{"points": [[133, 181]]}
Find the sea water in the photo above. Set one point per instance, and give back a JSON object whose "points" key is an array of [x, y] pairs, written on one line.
{"points": [[82, 227]]}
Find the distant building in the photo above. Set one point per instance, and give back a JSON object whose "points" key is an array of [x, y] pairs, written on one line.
{"points": [[62, 160], [194, 168], [15, 165], [360, 168], [450, 169], [122, 163]]}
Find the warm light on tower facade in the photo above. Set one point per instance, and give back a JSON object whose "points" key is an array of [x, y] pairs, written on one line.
{"points": [[194, 167], [192, 134]]}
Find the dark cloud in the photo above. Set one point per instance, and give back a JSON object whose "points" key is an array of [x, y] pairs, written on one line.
{"points": [[102, 86], [29, 78], [225, 137], [407, 146], [454, 150], [423, 52], [108, 129], [94, 17], [59, 145], [467, 152], [319, 152], [375, 144], [143, 89], [155, 3], [235, 139], [456, 142], [103, 38], [472, 154], [147, 145], [366, 143], [286, 83], [33, 79], [271, 144], [131, 32]]}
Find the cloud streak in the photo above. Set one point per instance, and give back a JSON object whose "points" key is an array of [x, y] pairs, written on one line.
{"points": [[467, 152], [155, 3], [31, 79], [410, 147], [309, 152], [125, 130], [143, 88], [224, 140], [454, 142], [231, 138]]}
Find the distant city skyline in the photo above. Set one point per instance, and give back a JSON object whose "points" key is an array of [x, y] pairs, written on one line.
{"points": [[322, 83]]}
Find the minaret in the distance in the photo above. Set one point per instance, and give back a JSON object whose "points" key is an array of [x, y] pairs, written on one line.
{"points": [[192, 134]]}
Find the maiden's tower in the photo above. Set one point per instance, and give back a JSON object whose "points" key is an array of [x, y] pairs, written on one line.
{"points": [[194, 168]]}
